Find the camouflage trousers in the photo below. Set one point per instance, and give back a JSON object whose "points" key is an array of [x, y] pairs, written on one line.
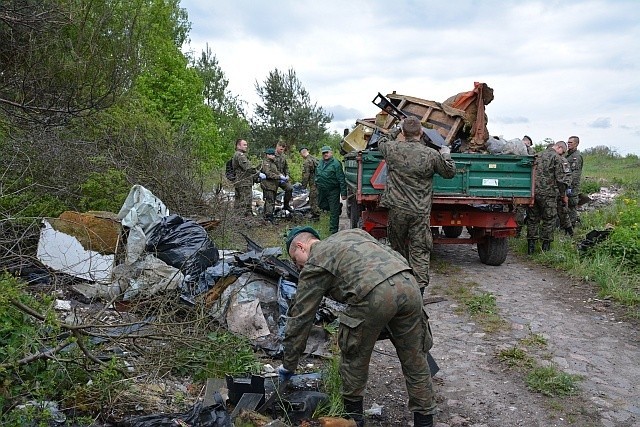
{"points": [[541, 218], [410, 235], [288, 194], [243, 200], [395, 303], [269, 197], [313, 199], [563, 214]]}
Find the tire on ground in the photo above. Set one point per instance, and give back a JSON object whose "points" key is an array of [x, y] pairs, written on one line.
{"points": [[493, 251]]}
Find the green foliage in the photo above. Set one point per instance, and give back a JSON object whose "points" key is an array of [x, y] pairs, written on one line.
{"points": [[104, 191], [221, 354], [624, 242], [483, 303], [590, 185], [552, 382], [516, 357], [287, 113]]}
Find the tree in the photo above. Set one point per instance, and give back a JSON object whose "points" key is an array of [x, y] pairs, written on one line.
{"points": [[61, 59], [227, 109], [287, 114]]}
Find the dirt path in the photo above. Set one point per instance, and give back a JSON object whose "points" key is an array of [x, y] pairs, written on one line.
{"points": [[475, 389]]}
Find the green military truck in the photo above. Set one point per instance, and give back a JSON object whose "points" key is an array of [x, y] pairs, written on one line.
{"points": [[482, 196]]}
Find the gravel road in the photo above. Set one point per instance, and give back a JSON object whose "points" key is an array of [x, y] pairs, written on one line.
{"points": [[584, 336]]}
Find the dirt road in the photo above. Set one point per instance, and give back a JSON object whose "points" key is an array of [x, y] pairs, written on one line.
{"points": [[474, 388]]}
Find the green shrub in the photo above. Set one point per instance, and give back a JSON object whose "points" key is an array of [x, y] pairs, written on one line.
{"points": [[104, 191], [221, 354]]}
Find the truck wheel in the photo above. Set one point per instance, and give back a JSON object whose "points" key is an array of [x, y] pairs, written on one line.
{"points": [[493, 251], [354, 215], [452, 231]]}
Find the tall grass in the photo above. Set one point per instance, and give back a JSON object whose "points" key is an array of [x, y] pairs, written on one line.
{"points": [[614, 264]]}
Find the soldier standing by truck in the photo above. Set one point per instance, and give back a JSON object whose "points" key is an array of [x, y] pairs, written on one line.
{"points": [[574, 157], [380, 292], [552, 180], [408, 193], [331, 186]]}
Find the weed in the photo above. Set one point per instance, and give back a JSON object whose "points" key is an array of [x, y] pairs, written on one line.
{"points": [[534, 340], [515, 357], [552, 382], [332, 386]]}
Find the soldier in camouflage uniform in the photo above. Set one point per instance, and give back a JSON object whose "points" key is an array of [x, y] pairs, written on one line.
{"points": [[408, 192], [269, 185], [521, 210], [376, 283], [245, 176], [309, 179], [574, 157], [551, 183], [283, 168]]}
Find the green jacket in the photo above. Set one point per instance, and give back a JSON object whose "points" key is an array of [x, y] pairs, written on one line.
{"points": [[270, 169], [330, 176], [553, 174], [245, 173], [344, 267]]}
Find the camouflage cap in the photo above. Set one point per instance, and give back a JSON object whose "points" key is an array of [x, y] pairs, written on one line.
{"points": [[270, 151], [300, 229], [325, 149], [302, 148]]}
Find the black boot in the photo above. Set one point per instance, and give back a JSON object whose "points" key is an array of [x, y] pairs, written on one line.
{"points": [[420, 420], [355, 411], [546, 245], [531, 246], [569, 231]]}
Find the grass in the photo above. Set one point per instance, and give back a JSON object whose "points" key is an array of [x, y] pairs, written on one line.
{"points": [[516, 357], [550, 381], [480, 306], [614, 265]]}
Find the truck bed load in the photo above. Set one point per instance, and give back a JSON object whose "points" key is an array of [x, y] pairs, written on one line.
{"points": [[482, 196]]}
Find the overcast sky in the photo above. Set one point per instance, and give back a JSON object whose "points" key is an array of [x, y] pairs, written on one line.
{"points": [[558, 68]]}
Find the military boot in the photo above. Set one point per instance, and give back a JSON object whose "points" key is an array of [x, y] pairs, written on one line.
{"points": [[531, 246], [355, 411], [546, 245], [420, 420]]}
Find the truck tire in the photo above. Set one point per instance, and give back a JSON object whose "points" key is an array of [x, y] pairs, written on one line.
{"points": [[355, 212], [452, 231], [493, 251]]}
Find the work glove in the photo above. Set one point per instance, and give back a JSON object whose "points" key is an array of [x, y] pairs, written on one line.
{"points": [[262, 176], [283, 374], [445, 149], [569, 192]]}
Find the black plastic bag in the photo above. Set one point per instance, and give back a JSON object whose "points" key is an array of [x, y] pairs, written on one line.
{"points": [[183, 244], [211, 416]]}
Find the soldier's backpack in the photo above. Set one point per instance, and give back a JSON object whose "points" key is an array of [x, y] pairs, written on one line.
{"points": [[229, 172]]}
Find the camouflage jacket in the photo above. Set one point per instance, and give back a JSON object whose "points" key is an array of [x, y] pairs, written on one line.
{"points": [[281, 163], [344, 267], [245, 173], [410, 169], [552, 174], [270, 169], [575, 162], [329, 176], [309, 171]]}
